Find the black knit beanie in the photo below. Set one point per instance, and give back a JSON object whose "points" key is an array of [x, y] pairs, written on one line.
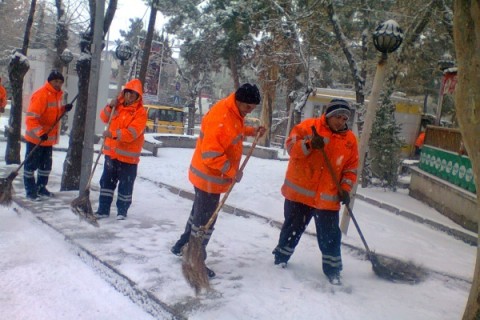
{"points": [[248, 93], [55, 75], [336, 107]]}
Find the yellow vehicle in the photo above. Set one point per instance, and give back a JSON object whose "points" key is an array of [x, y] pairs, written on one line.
{"points": [[164, 119]]}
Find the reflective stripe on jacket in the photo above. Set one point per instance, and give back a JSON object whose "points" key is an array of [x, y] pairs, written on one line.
{"points": [[44, 109], [219, 147], [127, 127], [308, 179]]}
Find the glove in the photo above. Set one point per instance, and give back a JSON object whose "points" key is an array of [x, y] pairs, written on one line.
{"points": [[261, 131], [113, 103], [238, 176], [344, 197], [44, 137], [107, 134], [68, 107], [317, 140]]}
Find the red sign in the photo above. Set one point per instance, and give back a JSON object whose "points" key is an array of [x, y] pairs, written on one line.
{"points": [[153, 69], [449, 81]]}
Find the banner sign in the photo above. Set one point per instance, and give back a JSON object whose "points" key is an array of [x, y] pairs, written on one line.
{"points": [[449, 81]]}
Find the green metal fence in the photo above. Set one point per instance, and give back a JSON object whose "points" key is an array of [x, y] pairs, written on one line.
{"points": [[449, 166]]}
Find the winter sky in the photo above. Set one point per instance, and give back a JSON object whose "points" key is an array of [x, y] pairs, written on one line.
{"points": [[129, 9]]}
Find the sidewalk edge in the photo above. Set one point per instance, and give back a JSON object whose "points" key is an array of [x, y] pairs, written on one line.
{"points": [[457, 234]]}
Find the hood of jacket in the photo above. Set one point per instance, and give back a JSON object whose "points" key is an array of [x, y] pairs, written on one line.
{"points": [[134, 85]]}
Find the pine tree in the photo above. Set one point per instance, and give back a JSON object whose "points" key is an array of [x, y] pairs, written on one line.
{"points": [[385, 143]]}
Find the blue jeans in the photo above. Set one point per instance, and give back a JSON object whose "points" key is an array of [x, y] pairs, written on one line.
{"points": [[114, 172], [329, 237], [41, 161], [203, 207]]}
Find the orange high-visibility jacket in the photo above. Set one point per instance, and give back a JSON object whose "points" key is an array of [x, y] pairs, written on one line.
{"points": [[3, 97], [420, 140], [44, 109], [127, 127], [218, 152], [308, 179]]}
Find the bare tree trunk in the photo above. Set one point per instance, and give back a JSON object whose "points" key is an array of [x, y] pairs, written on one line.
{"points": [[268, 89], [17, 69], [467, 102], [61, 34], [73, 161], [72, 164], [200, 107], [234, 70], [148, 43], [358, 73], [191, 118]]}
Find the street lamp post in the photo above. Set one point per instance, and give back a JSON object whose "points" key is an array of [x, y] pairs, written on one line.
{"points": [[123, 52], [387, 37], [66, 57]]}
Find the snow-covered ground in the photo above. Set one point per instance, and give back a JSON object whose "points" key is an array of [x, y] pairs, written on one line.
{"points": [[43, 278]]}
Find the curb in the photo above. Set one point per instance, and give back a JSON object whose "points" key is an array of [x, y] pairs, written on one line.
{"points": [[457, 234]]}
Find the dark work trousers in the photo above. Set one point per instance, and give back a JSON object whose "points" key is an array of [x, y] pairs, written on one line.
{"points": [[297, 216], [114, 172], [204, 206], [41, 161]]}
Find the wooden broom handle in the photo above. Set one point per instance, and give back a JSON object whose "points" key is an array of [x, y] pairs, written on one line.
{"points": [[225, 196], [101, 149], [337, 183]]}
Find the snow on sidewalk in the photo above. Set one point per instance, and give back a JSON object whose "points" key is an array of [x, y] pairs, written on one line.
{"points": [[248, 285]]}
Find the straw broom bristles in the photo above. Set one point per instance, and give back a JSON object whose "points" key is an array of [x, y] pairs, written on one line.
{"points": [[6, 189], [193, 263], [82, 207], [396, 271]]}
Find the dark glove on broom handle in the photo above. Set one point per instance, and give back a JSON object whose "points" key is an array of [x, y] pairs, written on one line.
{"points": [[317, 140], [344, 197]]}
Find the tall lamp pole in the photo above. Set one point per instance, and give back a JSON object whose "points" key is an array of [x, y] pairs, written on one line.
{"points": [[66, 57], [387, 37], [123, 52]]}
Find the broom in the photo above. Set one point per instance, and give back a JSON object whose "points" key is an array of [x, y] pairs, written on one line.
{"points": [[193, 263], [386, 268], [81, 205], [6, 183]]}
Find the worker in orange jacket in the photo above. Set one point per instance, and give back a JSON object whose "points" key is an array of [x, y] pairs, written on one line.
{"points": [[124, 140], [419, 143], [309, 188], [3, 97], [43, 112], [216, 158]]}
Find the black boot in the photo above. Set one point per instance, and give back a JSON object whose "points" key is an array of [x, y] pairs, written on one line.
{"points": [[176, 250], [211, 274]]}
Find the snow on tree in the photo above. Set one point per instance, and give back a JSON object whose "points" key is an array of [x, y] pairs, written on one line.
{"points": [[385, 144]]}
